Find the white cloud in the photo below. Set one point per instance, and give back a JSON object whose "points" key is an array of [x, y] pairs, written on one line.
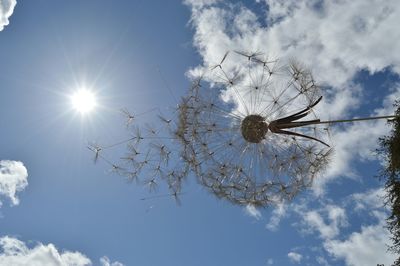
{"points": [[252, 211], [200, 3], [356, 142], [6, 10], [17, 253], [277, 214], [367, 247], [372, 199], [322, 261], [295, 257], [270, 262], [105, 261], [337, 38], [13, 178], [335, 216]]}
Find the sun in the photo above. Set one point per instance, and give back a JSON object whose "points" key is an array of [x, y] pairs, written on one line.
{"points": [[83, 100]]}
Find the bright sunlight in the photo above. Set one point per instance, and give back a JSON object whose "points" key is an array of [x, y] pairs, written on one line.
{"points": [[83, 100]]}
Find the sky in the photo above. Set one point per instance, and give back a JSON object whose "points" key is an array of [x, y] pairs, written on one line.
{"points": [[57, 207]]}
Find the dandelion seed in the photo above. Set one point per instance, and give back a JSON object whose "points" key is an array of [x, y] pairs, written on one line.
{"points": [[151, 184], [220, 63], [96, 149], [129, 117]]}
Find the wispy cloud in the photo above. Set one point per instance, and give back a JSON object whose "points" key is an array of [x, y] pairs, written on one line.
{"points": [[370, 200], [6, 10], [322, 261], [200, 3], [356, 142], [366, 246], [105, 261], [277, 214], [15, 252], [252, 211], [369, 245], [13, 178], [295, 257], [327, 221]]}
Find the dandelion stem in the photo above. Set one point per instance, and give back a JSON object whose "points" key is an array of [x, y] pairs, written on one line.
{"points": [[306, 123], [356, 119]]}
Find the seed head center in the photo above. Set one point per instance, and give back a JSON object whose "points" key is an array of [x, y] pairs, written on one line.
{"points": [[254, 128]]}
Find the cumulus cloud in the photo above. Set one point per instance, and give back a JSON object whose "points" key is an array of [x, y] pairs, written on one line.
{"points": [[6, 10], [17, 253], [252, 211], [13, 178], [369, 245], [365, 246], [295, 257], [337, 38]]}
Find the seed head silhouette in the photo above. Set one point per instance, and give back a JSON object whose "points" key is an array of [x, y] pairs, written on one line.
{"points": [[247, 130]]}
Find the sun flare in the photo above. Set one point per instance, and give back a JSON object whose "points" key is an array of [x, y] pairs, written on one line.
{"points": [[83, 100]]}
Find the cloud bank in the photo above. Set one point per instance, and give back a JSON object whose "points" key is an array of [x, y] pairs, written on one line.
{"points": [[336, 38], [6, 10], [17, 253], [13, 179]]}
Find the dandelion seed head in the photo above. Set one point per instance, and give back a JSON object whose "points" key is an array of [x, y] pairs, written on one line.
{"points": [[233, 130], [243, 131]]}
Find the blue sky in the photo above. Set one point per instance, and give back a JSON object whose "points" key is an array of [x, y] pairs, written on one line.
{"points": [[139, 55]]}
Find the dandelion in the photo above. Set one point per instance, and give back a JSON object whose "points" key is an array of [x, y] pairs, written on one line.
{"points": [[247, 130], [242, 136]]}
